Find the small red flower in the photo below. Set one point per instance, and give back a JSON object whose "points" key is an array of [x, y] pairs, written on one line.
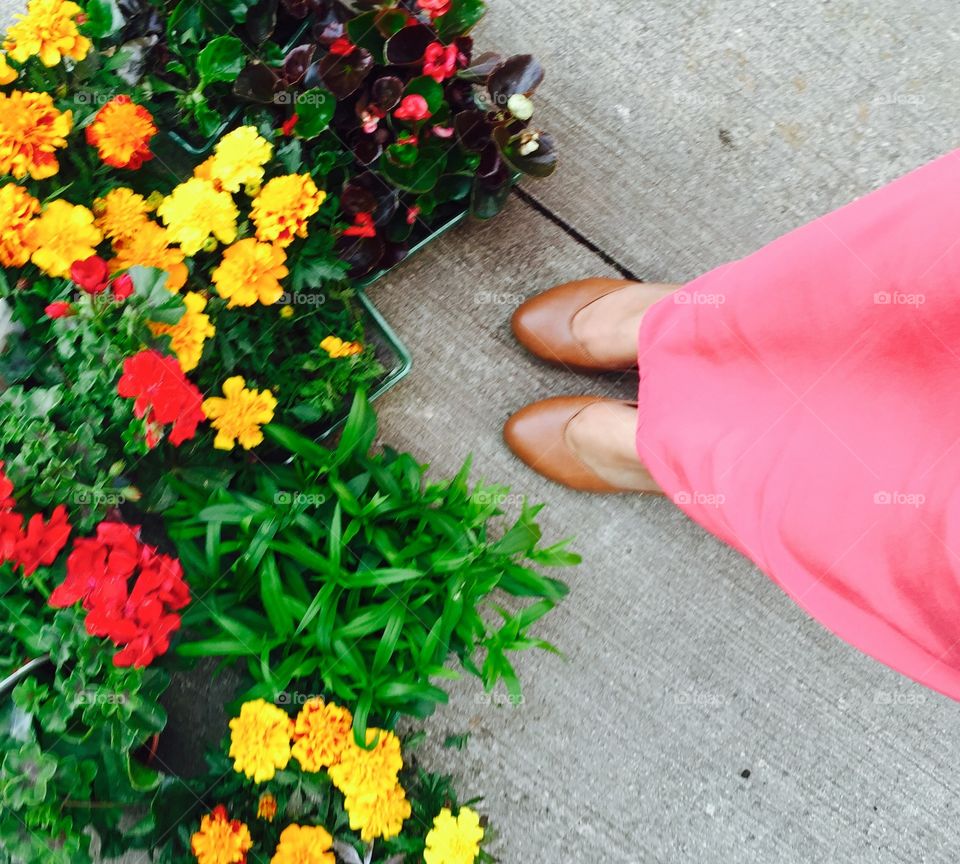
{"points": [[443, 131], [434, 8], [342, 47], [122, 287], [58, 309], [412, 214], [413, 107], [287, 128], [362, 226], [163, 394], [91, 274], [441, 61], [407, 140]]}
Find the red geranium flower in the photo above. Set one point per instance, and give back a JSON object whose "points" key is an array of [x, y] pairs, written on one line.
{"points": [[440, 61], [163, 394], [6, 491], [362, 226], [41, 543], [413, 107], [91, 274], [434, 8], [131, 592]]}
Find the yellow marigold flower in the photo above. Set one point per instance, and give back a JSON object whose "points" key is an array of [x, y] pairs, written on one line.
{"points": [[239, 157], [121, 132], [121, 213], [194, 211], [304, 844], [31, 129], [250, 271], [454, 839], [150, 247], [7, 73], [17, 208], [281, 210], [237, 419], [267, 807], [189, 333], [320, 733], [49, 31], [260, 736], [378, 814], [63, 233], [221, 840], [336, 347], [361, 771]]}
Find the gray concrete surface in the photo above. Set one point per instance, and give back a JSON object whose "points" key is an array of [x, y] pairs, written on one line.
{"points": [[697, 715]]}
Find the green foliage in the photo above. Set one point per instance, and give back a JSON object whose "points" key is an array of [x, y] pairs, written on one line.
{"points": [[352, 572], [69, 731]]}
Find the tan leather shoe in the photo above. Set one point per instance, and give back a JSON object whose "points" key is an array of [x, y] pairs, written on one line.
{"points": [[544, 323], [537, 435]]}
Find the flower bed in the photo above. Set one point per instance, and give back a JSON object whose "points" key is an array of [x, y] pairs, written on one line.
{"points": [[193, 193]]}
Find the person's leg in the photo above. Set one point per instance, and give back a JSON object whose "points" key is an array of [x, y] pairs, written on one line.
{"points": [[603, 436], [608, 327]]}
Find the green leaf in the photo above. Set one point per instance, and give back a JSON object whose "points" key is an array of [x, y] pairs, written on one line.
{"points": [[222, 59], [104, 18], [273, 597], [314, 109], [463, 16]]}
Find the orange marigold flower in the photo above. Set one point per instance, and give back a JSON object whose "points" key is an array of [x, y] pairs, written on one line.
{"points": [[150, 247], [63, 233], [250, 272], [221, 840], [267, 807], [337, 348], [320, 733], [17, 209], [281, 209], [49, 31], [304, 844], [31, 130], [121, 213], [121, 132]]}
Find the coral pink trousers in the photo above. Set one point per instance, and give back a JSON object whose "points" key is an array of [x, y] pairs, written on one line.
{"points": [[803, 404]]}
